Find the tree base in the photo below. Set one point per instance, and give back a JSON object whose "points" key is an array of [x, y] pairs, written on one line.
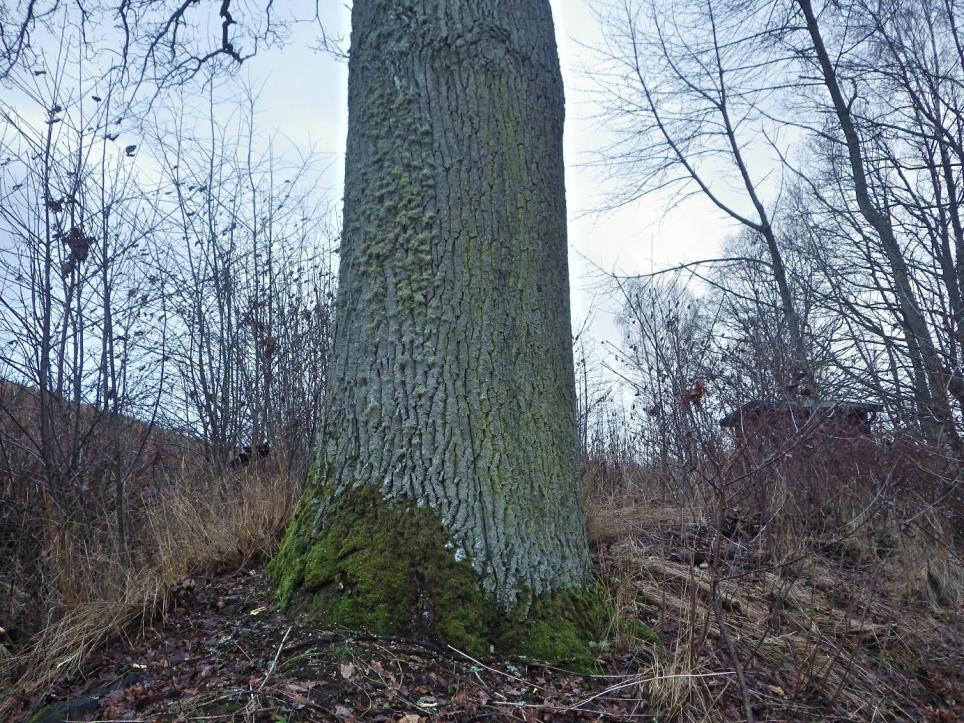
{"points": [[390, 568]]}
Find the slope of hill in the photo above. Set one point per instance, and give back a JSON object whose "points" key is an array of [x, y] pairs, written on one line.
{"points": [[820, 639]]}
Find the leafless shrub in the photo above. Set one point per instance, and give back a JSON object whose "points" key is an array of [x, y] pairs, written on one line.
{"points": [[142, 348], [803, 548], [102, 592]]}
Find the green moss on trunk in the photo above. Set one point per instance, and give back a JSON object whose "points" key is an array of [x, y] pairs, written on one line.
{"points": [[559, 627], [390, 568]]}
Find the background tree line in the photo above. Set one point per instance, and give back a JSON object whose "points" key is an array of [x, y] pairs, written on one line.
{"points": [[831, 133], [166, 289]]}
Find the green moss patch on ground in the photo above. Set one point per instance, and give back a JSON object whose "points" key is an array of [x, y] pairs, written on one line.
{"points": [[390, 568]]}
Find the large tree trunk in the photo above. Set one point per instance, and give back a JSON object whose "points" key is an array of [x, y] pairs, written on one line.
{"points": [[447, 492]]}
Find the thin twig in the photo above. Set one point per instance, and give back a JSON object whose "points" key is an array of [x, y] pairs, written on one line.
{"points": [[274, 663], [641, 681], [494, 670]]}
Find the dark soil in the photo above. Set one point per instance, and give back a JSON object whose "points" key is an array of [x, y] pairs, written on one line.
{"points": [[227, 652]]}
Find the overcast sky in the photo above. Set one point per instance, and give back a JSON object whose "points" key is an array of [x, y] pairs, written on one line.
{"points": [[304, 97]]}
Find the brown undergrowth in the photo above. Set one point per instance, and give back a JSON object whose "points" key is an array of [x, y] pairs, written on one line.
{"points": [[716, 616], [771, 618], [196, 525]]}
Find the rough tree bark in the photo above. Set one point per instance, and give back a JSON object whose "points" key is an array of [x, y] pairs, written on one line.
{"points": [[446, 498]]}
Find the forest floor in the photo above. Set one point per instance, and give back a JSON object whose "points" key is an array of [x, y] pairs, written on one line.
{"points": [[227, 652], [827, 642]]}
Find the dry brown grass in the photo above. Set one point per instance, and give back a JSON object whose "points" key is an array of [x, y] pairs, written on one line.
{"points": [[101, 593], [818, 620], [679, 688], [925, 568], [815, 621]]}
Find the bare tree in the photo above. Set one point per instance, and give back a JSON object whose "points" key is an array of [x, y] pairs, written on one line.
{"points": [[153, 43], [871, 192], [865, 121], [119, 286], [252, 285], [687, 94], [82, 321]]}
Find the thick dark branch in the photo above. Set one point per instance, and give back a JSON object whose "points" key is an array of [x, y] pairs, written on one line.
{"points": [[14, 50], [227, 21]]}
